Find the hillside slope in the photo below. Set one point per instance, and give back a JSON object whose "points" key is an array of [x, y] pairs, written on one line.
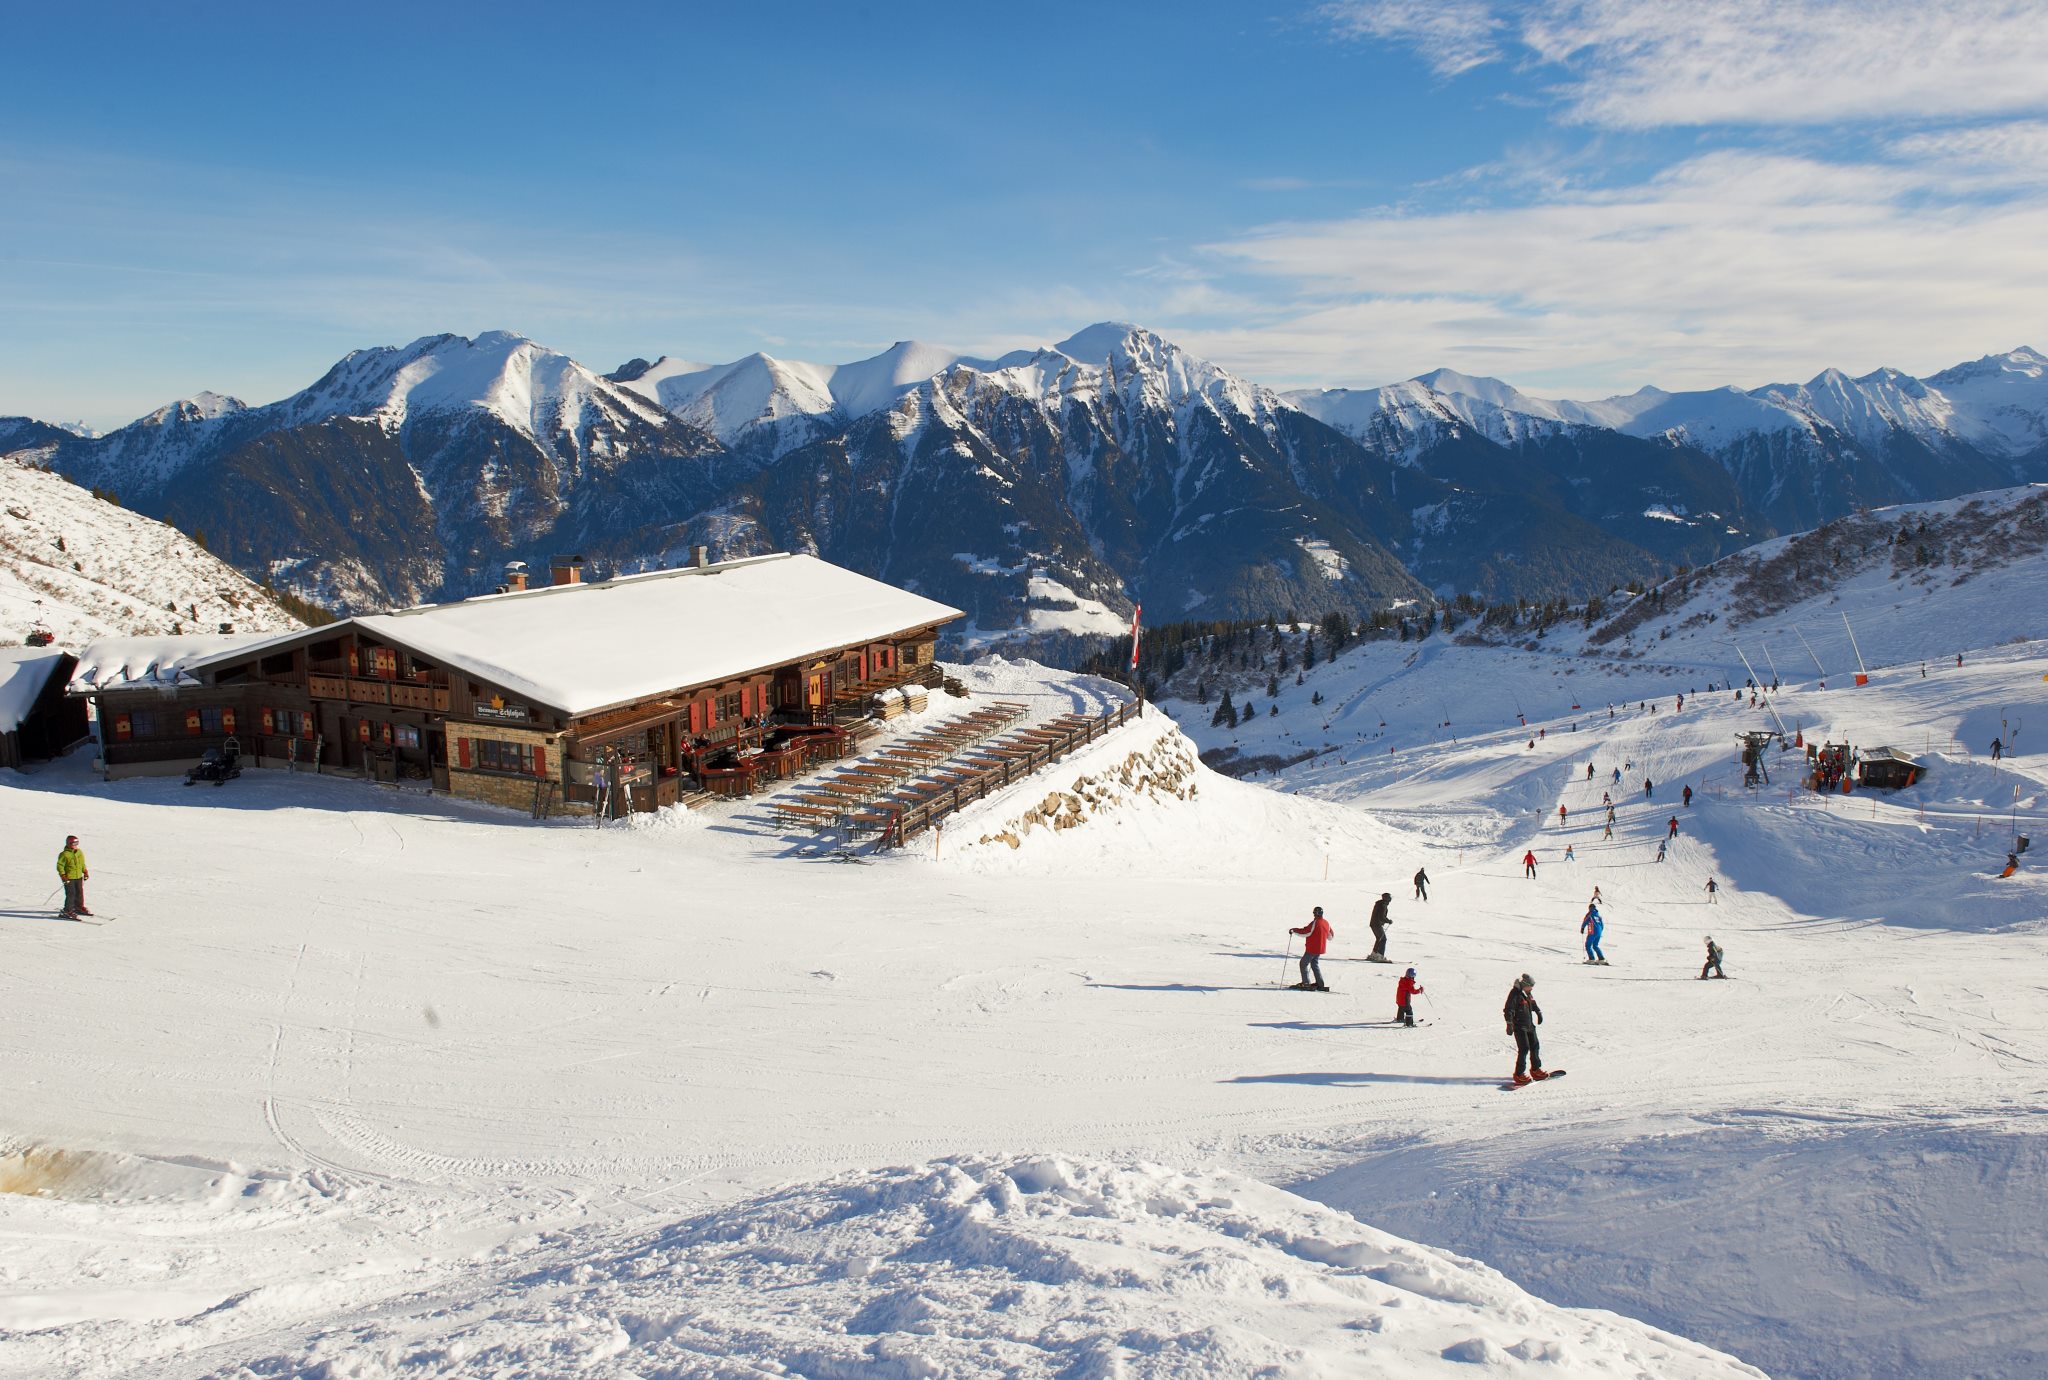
{"points": [[79, 567]]}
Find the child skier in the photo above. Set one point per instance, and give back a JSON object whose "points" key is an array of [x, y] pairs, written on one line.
{"points": [[1523, 1015], [1713, 959], [1660, 850], [1404, 998], [1312, 949], [72, 872], [1569, 855], [1592, 927]]}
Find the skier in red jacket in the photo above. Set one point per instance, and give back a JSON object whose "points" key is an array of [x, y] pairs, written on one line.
{"points": [[1404, 998], [1529, 863], [1312, 949]]}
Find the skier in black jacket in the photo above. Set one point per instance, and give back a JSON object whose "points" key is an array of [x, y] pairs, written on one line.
{"points": [[1421, 884], [1523, 1015], [1378, 925]]}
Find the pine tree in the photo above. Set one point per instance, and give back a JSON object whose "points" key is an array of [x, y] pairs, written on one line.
{"points": [[1226, 713], [1273, 687]]}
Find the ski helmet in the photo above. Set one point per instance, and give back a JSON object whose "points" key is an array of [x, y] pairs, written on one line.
{"points": [[1411, 972], [1319, 910], [1526, 981], [71, 838], [1386, 895]]}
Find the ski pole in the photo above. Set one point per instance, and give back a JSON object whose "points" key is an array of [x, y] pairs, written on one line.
{"points": [[1287, 958]]}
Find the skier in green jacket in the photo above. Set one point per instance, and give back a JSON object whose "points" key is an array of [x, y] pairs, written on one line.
{"points": [[71, 871]]}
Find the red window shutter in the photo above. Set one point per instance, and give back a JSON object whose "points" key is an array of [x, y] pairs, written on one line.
{"points": [[191, 721], [746, 699], [710, 711], [227, 720], [540, 761], [269, 721], [696, 717], [462, 753], [123, 727], [363, 729]]}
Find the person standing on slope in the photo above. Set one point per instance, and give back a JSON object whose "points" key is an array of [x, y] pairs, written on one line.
{"points": [[1421, 884], [1593, 927], [1404, 998], [1649, 788], [1713, 959], [1686, 796], [1671, 827], [1529, 863], [1563, 813], [1713, 892], [1378, 924], [1523, 1015], [1569, 855], [1660, 849], [72, 872], [1313, 947], [1997, 748]]}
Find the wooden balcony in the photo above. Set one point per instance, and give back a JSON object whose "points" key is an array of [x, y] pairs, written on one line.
{"points": [[412, 696], [368, 691], [327, 687]]}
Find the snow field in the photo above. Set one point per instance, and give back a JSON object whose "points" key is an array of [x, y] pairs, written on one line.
{"points": [[463, 1096]]}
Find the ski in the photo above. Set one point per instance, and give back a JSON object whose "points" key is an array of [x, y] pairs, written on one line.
{"points": [[1375, 958]]}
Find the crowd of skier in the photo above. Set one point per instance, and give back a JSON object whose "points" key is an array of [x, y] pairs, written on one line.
{"points": [[1520, 1014]]}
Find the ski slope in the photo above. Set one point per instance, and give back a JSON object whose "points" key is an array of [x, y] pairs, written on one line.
{"points": [[354, 1082]]}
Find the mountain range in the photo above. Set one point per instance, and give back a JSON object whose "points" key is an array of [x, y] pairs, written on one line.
{"points": [[1043, 490]]}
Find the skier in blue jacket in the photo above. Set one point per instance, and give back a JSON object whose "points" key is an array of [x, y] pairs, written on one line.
{"points": [[1592, 927]]}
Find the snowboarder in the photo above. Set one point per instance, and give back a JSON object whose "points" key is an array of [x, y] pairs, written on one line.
{"points": [[1523, 1015], [1593, 927], [1686, 796], [1649, 788], [1378, 924], [1312, 949], [1404, 998], [1660, 849], [71, 871], [1713, 892], [1672, 826], [1529, 863], [2012, 864], [1569, 855], [1421, 884], [1997, 748], [1713, 959]]}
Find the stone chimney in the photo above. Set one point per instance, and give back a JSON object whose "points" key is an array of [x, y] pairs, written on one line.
{"points": [[515, 576], [566, 570], [700, 556]]}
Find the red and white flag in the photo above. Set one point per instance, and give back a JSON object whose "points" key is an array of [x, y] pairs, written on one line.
{"points": [[1136, 609]]}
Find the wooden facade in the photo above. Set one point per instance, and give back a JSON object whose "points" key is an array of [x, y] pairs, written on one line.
{"points": [[53, 721], [347, 698]]}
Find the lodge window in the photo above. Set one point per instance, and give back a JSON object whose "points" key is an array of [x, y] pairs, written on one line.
{"points": [[729, 706], [278, 665], [407, 735], [492, 755], [142, 723], [210, 720]]}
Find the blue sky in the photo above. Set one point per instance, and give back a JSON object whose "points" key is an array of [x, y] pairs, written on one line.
{"points": [[1581, 196]]}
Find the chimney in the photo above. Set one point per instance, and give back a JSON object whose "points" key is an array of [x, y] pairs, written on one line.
{"points": [[567, 570], [515, 576], [700, 556]]}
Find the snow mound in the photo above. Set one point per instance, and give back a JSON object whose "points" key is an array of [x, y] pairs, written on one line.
{"points": [[1032, 1267]]}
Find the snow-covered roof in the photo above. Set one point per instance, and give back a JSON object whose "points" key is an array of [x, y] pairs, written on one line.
{"points": [[24, 671], [155, 663], [582, 648]]}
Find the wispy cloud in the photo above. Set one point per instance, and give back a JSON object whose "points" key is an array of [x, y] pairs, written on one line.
{"points": [[1453, 36], [1730, 266], [1638, 64]]}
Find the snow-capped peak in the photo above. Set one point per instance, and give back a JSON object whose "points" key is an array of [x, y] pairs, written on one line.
{"points": [[200, 407]]}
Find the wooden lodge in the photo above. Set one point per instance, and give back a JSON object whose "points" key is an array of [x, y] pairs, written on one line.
{"points": [[38, 720], [628, 694]]}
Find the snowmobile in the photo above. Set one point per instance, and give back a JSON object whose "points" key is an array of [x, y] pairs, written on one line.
{"points": [[219, 765]]}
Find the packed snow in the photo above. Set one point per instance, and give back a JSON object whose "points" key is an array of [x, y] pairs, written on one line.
{"points": [[351, 1082]]}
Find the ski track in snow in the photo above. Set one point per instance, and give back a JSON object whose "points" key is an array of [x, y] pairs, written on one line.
{"points": [[482, 1097]]}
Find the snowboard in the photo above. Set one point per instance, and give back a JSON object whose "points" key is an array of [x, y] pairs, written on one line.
{"points": [[1377, 958], [1511, 1085]]}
